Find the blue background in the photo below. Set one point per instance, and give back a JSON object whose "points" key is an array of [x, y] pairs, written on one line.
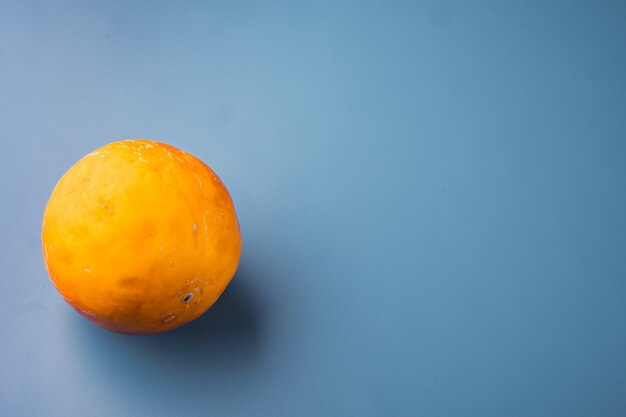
{"points": [[432, 197]]}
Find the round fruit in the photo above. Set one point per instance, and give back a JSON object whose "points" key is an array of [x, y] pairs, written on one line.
{"points": [[140, 237]]}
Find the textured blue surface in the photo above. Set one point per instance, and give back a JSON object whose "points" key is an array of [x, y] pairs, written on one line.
{"points": [[432, 197]]}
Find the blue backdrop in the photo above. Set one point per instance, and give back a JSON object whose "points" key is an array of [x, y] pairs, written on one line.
{"points": [[432, 197]]}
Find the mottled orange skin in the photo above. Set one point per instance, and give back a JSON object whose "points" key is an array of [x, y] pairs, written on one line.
{"points": [[140, 237]]}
